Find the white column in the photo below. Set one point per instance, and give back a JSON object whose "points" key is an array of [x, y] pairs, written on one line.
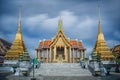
{"points": [[50, 55], [39, 54], [42, 55], [70, 54], [76, 53], [79, 55], [84, 54], [66, 56], [54, 53], [47, 55], [73, 55]]}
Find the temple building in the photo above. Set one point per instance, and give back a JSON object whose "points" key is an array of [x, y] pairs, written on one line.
{"points": [[60, 48], [4, 46], [116, 51], [101, 46], [18, 47]]}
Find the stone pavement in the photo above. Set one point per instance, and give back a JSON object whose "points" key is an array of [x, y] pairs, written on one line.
{"points": [[112, 76]]}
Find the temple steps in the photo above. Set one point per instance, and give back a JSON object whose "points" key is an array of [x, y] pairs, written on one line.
{"points": [[61, 69]]}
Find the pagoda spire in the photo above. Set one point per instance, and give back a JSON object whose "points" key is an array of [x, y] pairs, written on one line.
{"points": [[100, 35], [101, 45], [18, 46], [99, 22], [19, 22], [19, 33], [60, 25]]}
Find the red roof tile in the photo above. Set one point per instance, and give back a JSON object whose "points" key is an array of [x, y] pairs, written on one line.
{"points": [[41, 43], [74, 43], [47, 42], [79, 43]]}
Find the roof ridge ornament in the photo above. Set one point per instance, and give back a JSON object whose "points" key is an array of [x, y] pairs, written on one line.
{"points": [[60, 25]]}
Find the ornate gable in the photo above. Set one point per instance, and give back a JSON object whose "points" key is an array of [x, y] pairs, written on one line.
{"points": [[60, 39]]}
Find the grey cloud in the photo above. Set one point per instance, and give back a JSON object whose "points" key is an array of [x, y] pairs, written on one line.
{"points": [[80, 29]]}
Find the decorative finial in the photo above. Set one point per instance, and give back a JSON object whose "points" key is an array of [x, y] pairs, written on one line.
{"points": [[99, 10], [19, 21], [60, 17], [19, 14], [60, 24], [99, 22]]}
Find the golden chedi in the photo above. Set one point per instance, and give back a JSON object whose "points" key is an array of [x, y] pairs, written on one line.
{"points": [[18, 46]]}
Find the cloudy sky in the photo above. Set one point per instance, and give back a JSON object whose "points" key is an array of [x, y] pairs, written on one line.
{"points": [[80, 20]]}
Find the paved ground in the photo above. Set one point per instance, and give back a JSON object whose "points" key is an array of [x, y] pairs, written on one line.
{"points": [[113, 76]]}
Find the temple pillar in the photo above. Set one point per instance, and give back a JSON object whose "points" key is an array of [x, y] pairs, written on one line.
{"points": [[50, 55], [55, 53], [76, 55], [73, 55], [38, 54], [66, 56], [42, 55], [79, 55], [70, 54], [84, 55], [76, 51], [47, 55]]}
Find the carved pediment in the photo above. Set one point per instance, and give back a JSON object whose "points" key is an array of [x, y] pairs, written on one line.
{"points": [[60, 43], [60, 39]]}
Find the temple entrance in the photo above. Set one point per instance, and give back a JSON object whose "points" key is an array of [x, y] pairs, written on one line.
{"points": [[60, 54]]}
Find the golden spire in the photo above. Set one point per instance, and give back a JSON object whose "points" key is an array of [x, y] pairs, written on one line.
{"points": [[99, 23], [100, 45], [100, 35], [19, 33], [19, 22], [60, 25], [18, 46]]}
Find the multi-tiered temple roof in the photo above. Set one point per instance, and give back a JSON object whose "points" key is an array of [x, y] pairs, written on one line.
{"points": [[75, 44]]}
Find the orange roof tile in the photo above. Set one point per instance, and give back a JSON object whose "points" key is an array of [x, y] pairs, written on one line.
{"points": [[74, 44], [47, 42], [41, 43], [79, 43]]}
